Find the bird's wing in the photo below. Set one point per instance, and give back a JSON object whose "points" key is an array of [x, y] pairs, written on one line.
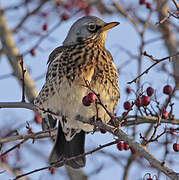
{"points": [[55, 53], [54, 65]]}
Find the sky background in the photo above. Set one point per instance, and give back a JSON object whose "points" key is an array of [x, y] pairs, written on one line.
{"points": [[124, 36]]}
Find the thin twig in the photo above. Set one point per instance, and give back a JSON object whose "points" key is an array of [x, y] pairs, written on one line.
{"points": [[176, 4], [14, 147], [139, 148], [23, 79], [67, 159], [38, 135], [156, 62]]}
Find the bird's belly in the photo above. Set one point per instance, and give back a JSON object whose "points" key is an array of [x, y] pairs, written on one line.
{"points": [[67, 101]]}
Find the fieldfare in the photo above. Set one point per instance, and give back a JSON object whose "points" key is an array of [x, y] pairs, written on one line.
{"points": [[82, 56]]}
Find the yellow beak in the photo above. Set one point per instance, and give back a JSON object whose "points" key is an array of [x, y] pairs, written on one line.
{"points": [[110, 25]]}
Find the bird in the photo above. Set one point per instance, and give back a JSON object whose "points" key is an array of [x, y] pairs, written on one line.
{"points": [[82, 57]]}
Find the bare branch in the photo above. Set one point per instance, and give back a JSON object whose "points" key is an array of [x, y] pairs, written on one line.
{"points": [[12, 52], [68, 159], [33, 136], [156, 62]]}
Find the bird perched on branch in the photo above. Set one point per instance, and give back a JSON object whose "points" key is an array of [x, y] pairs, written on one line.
{"points": [[82, 56]]}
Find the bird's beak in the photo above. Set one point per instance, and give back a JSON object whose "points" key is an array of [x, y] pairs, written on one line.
{"points": [[110, 25]]}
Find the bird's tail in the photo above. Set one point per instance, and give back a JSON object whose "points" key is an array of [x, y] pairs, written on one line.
{"points": [[66, 149]]}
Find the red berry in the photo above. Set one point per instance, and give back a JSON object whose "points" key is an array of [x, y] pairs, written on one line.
{"points": [[103, 131], [128, 90], [126, 146], [120, 146], [145, 100], [167, 89], [38, 118], [85, 101], [65, 16], [142, 2], [45, 27], [4, 158], [150, 91], [91, 97], [52, 170], [32, 52], [165, 114], [127, 105], [150, 178], [148, 5], [138, 102], [176, 147], [132, 150]]}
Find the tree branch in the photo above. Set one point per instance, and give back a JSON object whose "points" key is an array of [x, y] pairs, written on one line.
{"points": [[138, 147], [12, 53]]}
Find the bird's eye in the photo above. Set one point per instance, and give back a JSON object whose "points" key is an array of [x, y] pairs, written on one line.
{"points": [[92, 27]]}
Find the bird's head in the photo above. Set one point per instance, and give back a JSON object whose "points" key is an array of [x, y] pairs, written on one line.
{"points": [[87, 28]]}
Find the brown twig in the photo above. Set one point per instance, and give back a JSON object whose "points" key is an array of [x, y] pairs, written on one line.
{"points": [[156, 62], [38, 135], [176, 4], [67, 159], [23, 79], [29, 14], [152, 139], [14, 147], [139, 148], [43, 37]]}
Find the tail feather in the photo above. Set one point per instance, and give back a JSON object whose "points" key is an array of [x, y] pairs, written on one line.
{"points": [[67, 149]]}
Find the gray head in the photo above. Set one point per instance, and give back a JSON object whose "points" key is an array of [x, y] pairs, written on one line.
{"points": [[88, 27]]}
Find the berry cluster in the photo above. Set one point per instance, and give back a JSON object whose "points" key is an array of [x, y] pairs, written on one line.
{"points": [[143, 100], [125, 146], [144, 2], [90, 98]]}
